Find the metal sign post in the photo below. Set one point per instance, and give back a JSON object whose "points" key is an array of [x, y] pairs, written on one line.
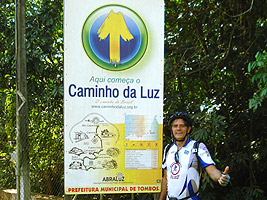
{"points": [[22, 151]]}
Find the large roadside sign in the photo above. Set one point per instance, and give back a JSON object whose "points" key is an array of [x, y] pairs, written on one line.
{"points": [[113, 96]]}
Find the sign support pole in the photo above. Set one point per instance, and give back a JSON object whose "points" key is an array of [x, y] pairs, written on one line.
{"points": [[22, 151]]}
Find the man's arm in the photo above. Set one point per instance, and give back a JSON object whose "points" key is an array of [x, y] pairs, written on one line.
{"points": [[216, 175], [163, 193]]}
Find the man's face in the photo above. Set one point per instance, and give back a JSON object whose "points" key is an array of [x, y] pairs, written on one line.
{"points": [[179, 129]]}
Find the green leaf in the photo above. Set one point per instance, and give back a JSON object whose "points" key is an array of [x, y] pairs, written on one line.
{"points": [[263, 92]]}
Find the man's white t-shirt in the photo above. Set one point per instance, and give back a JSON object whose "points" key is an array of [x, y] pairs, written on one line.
{"points": [[183, 178]]}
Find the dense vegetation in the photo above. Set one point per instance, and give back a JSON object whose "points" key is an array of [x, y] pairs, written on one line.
{"points": [[215, 69]]}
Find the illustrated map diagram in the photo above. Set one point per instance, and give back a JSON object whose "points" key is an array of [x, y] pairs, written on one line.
{"points": [[93, 140]]}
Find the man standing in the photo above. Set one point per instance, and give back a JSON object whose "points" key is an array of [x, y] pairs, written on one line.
{"points": [[182, 160]]}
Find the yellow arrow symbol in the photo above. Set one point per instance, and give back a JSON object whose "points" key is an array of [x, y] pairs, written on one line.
{"points": [[114, 26]]}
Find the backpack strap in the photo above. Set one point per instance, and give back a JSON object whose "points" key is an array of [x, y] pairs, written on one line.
{"points": [[195, 151], [195, 148], [166, 149]]}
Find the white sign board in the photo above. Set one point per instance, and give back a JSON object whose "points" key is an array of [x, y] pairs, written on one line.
{"points": [[113, 95]]}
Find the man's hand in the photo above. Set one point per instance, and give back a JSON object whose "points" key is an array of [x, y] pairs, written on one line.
{"points": [[224, 178]]}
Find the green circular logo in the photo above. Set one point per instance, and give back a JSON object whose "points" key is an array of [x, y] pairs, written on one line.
{"points": [[114, 37]]}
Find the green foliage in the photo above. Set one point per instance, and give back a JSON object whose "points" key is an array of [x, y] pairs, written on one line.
{"points": [[207, 48], [7, 95], [7, 142], [208, 45], [44, 43], [259, 66], [44, 35]]}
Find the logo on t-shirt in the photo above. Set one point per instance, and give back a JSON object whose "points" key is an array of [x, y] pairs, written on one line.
{"points": [[175, 169]]}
